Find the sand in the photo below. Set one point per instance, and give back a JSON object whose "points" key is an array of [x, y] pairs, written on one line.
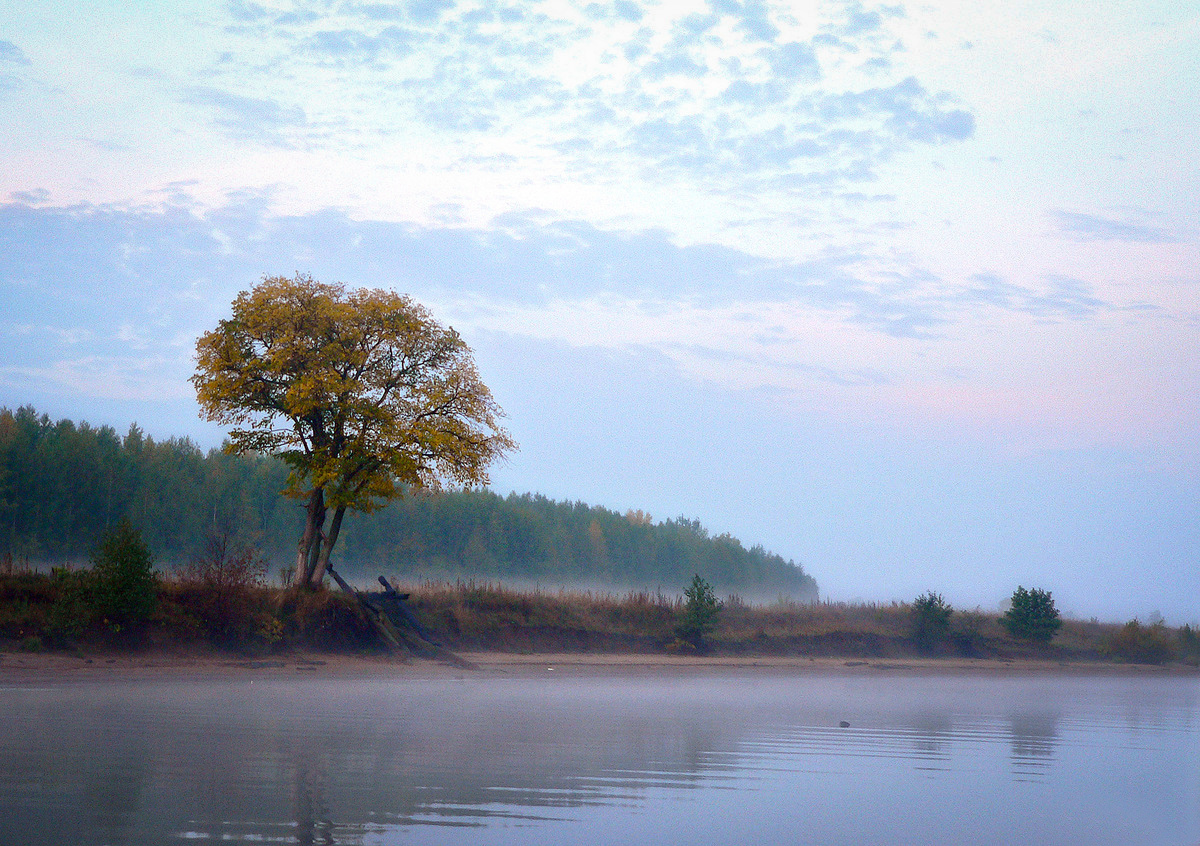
{"points": [[18, 668]]}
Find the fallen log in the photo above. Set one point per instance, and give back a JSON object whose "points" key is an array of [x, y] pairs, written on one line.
{"points": [[397, 627], [379, 621]]}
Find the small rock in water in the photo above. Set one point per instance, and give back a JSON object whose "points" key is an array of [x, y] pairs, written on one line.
{"points": [[844, 724]]}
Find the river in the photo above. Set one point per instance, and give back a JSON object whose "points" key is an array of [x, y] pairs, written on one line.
{"points": [[611, 757]]}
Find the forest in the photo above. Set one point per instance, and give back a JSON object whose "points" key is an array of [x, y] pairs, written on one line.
{"points": [[62, 484]]}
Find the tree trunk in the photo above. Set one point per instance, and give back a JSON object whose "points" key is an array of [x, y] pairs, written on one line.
{"points": [[310, 541], [327, 545]]}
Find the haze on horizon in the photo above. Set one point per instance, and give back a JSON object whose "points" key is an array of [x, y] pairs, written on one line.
{"points": [[908, 293]]}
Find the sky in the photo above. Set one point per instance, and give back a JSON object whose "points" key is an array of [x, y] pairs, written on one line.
{"points": [[908, 293]]}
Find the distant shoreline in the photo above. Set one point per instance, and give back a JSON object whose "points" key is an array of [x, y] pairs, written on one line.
{"points": [[19, 669]]}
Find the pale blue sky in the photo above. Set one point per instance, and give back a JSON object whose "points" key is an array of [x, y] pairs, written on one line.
{"points": [[909, 293]]}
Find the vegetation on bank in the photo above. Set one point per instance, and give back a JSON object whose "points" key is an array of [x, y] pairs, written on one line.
{"points": [[223, 604], [62, 485]]}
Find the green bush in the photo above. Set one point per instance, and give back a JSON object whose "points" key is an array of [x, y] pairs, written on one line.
{"points": [[124, 585], [931, 619], [71, 611], [698, 618], [1140, 644], [1032, 615]]}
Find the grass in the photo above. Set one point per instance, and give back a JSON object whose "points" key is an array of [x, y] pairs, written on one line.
{"points": [[485, 616], [482, 616]]}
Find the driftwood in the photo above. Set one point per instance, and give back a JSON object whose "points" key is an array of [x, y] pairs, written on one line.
{"points": [[397, 627], [379, 621], [393, 603]]}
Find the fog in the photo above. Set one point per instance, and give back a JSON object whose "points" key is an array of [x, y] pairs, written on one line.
{"points": [[552, 754]]}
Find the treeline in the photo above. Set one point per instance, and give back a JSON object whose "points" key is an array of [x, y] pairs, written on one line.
{"points": [[62, 485]]}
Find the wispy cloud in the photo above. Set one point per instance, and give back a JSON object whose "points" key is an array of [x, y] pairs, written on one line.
{"points": [[11, 53], [1058, 298], [1087, 227], [32, 197], [247, 118], [123, 378], [169, 269]]}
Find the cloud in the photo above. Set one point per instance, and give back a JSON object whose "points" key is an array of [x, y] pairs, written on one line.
{"points": [[1086, 227], [860, 20], [247, 118], [794, 60], [906, 109], [151, 378], [32, 197], [1066, 297], [1062, 297], [753, 17], [676, 62], [166, 270], [604, 90], [620, 10], [428, 11], [10, 52], [355, 46]]}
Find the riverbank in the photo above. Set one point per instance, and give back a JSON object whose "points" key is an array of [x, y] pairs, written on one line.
{"points": [[251, 623], [51, 668]]}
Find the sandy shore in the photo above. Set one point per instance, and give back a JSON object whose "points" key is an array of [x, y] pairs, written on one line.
{"points": [[23, 668]]}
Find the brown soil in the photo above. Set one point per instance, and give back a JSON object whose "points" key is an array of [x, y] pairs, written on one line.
{"points": [[40, 668]]}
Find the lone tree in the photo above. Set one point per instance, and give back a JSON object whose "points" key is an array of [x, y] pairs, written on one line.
{"points": [[931, 619], [362, 393], [1032, 615], [698, 619]]}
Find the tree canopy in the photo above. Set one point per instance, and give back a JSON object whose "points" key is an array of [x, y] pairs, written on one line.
{"points": [[362, 393]]}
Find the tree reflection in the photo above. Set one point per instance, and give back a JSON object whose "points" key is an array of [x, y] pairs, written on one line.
{"points": [[1034, 738]]}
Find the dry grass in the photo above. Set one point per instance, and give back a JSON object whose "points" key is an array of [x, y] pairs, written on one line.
{"points": [[486, 616], [490, 617], [471, 615]]}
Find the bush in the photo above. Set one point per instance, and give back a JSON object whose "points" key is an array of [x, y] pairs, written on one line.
{"points": [[225, 565], [698, 618], [71, 611], [968, 631], [931, 619], [1032, 615], [1140, 644], [1189, 644], [124, 585], [221, 586]]}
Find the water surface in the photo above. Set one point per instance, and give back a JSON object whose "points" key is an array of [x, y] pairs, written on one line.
{"points": [[723, 757]]}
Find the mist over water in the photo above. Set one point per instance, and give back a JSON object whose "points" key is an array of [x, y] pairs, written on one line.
{"points": [[729, 756]]}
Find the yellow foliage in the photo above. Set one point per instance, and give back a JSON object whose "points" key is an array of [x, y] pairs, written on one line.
{"points": [[361, 392]]}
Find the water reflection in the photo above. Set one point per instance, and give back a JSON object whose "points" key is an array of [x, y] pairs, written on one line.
{"points": [[931, 737], [1034, 738], [694, 759]]}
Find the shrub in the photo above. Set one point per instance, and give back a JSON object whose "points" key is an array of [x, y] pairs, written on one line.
{"points": [[1189, 644], [124, 585], [1140, 644], [1032, 615], [930, 618], [698, 618], [71, 611], [220, 586], [225, 565], [968, 631]]}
